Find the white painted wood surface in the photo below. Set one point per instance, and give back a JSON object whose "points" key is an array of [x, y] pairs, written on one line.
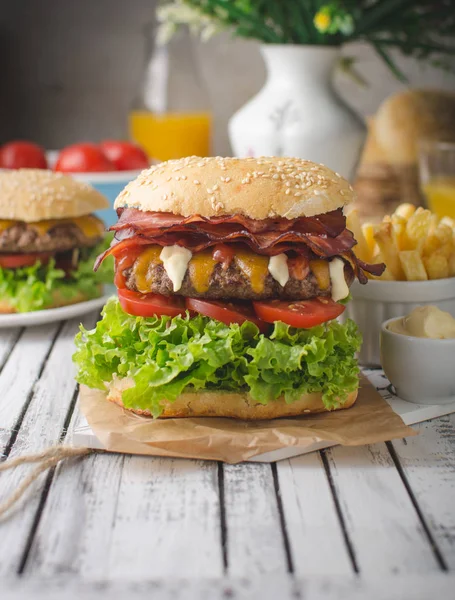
{"points": [[312, 524], [428, 462], [275, 587], [20, 373], [42, 424], [384, 510], [255, 543], [370, 493]]}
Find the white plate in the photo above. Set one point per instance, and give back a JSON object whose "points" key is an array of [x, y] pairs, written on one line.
{"points": [[51, 315]]}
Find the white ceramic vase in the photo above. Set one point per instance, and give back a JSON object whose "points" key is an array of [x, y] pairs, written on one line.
{"points": [[298, 113]]}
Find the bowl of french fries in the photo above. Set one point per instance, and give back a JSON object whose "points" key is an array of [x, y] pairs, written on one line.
{"points": [[418, 249]]}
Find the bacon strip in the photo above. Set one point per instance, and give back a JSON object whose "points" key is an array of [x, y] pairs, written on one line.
{"points": [[153, 223], [323, 235]]}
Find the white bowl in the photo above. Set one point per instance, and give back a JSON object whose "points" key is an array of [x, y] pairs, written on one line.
{"points": [[378, 301], [422, 370]]}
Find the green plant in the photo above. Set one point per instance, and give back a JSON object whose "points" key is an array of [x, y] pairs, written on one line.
{"points": [[424, 29]]}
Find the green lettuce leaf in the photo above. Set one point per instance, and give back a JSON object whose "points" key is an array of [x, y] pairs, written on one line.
{"points": [[32, 288], [165, 356]]}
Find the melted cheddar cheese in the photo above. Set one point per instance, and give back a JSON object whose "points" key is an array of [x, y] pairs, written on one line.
{"points": [[320, 269], [90, 225], [255, 267], [201, 268], [141, 268], [6, 224]]}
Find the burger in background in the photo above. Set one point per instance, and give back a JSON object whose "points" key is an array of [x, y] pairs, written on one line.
{"points": [[388, 173], [230, 275], [48, 241]]}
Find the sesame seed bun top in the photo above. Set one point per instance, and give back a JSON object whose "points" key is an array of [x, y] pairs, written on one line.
{"points": [[36, 194], [258, 188]]}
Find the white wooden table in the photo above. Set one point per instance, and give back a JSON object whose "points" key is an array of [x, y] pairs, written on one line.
{"points": [[346, 523]]}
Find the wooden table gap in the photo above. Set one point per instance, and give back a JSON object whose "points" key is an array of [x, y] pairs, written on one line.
{"points": [[284, 529], [12, 440], [431, 540], [346, 537]]}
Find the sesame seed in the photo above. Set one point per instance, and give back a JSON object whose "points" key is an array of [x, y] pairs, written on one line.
{"points": [[196, 182]]}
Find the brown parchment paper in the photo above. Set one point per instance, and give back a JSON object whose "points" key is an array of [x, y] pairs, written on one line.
{"points": [[370, 420]]}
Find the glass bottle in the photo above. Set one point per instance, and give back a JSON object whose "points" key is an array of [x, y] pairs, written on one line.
{"points": [[171, 117]]}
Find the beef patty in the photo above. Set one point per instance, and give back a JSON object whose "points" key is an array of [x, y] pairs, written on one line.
{"points": [[232, 284], [22, 238]]}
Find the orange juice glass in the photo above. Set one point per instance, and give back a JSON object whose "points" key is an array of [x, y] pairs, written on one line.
{"points": [[437, 176], [173, 134]]}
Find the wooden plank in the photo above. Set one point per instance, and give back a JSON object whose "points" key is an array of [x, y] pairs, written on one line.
{"points": [[314, 530], [284, 587], [168, 519], [380, 519], [133, 517], [75, 529], [254, 536], [20, 373], [42, 424], [428, 462], [8, 338]]}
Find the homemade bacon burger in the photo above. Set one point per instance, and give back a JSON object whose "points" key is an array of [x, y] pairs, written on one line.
{"points": [[230, 275], [48, 240]]}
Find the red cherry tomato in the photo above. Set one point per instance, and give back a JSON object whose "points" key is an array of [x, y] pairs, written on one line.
{"points": [[83, 158], [124, 155], [14, 261], [22, 155], [302, 313], [150, 305], [227, 312]]}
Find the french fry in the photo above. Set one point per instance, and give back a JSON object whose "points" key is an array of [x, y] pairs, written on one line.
{"points": [[405, 210], [384, 237], [353, 223], [368, 234], [417, 228], [399, 228], [448, 221], [445, 250], [436, 265], [415, 244], [440, 240], [387, 275], [452, 265], [413, 266]]}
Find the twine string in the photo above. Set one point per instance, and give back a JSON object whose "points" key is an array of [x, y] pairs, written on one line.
{"points": [[46, 459]]}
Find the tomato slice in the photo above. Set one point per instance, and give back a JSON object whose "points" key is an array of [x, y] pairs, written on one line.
{"points": [[150, 305], [302, 313], [227, 312], [14, 261]]}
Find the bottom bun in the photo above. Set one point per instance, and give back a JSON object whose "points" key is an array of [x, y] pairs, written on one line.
{"points": [[58, 299], [228, 404]]}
